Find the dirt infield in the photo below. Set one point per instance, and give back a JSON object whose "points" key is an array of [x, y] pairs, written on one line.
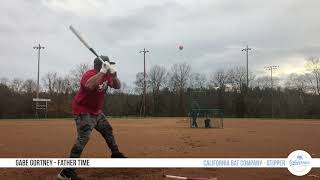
{"points": [[162, 137]]}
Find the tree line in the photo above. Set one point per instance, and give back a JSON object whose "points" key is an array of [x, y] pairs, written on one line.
{"points": [[174, 91]]}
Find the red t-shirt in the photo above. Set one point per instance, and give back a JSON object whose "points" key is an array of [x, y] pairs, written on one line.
{"points": [[90, 101]]}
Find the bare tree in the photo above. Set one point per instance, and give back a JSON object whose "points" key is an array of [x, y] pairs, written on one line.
{"points": [[50, 80], [129, 90], [219, 79], [198, 81], [67, 84], [139, 82], [237, 78], [264, 82], [16, 85], [313, 66], [180, 74], [76, 75], [139, 89], [124, 89], [4, 81], [157, 78], [29, 86], [61, 85], [297, 82], [179, 78], [310, 83]]}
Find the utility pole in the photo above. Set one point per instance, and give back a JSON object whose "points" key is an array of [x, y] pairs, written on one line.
{"points": [[247, 49], [39, 47], [144, 80], [271, 68]]}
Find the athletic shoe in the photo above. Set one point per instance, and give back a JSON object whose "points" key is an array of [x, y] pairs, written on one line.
{"points": [[118, 155], [68, 174]]}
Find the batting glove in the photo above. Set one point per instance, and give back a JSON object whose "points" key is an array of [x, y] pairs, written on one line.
{"points": [[113, 69], [105, 67]]}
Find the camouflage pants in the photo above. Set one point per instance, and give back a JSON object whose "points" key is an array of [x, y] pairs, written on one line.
{"points": [[85, 124]]}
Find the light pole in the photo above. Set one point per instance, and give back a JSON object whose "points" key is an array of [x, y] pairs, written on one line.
{"points": [[144, 80], [39, 47], [271, 68], [247, 49]]}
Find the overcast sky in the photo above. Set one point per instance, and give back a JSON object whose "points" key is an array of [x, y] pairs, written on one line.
{"points": [[213, 32]]}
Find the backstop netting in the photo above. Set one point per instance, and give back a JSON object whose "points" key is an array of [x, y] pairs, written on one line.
{"points": [[206, 118], [202, 112]]}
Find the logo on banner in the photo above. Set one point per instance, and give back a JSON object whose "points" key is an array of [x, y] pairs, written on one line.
{"points": [[299, 163]]}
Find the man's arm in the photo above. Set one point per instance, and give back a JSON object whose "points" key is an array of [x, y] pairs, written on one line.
{"points": [[94, 81], [115, 81]]}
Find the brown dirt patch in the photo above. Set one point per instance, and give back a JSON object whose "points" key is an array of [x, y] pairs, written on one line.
{"points": [[162, 137]]}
